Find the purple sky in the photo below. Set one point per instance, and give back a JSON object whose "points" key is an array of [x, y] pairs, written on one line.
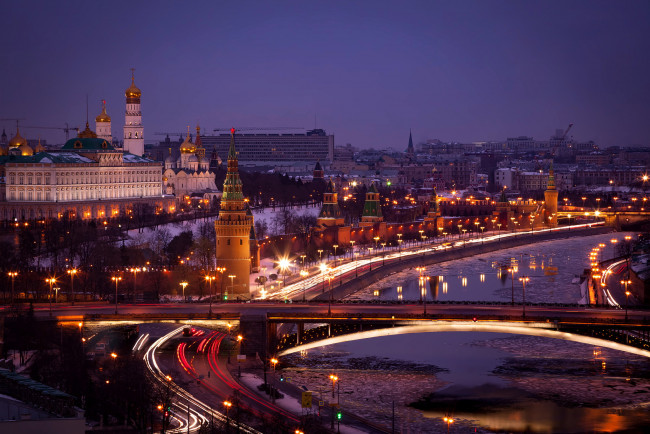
{"points": [[369, 71]]}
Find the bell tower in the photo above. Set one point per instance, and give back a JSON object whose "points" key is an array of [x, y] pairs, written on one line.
{"points": [[133, 131], [233, 229]]}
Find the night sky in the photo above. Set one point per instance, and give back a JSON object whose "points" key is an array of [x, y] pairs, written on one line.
{"points": [[369, 71]]}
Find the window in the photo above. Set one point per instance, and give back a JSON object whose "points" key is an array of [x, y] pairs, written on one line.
{"points": [[228, 242]]}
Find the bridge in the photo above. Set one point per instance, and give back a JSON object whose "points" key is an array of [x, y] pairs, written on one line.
{"points": [[281, 328]]}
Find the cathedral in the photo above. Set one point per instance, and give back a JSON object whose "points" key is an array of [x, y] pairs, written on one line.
{"points": [[190, 173]]}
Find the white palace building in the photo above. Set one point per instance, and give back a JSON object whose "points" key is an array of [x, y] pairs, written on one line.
{"points": [[87, 178]]}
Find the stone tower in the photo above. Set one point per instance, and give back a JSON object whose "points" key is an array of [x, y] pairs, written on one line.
{"points": [[330, 213], [233, 229], [133, 131], [550, 200], [371, 207]]}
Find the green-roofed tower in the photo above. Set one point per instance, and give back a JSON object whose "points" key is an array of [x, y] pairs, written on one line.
{"points": [[372, 207], [233, 229], [330, 213]]}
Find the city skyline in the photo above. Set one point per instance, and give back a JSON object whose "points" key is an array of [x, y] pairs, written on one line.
{"points": [[465, 72]]}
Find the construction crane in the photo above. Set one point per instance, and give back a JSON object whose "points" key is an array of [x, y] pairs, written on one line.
{"points": [[566, 131], [67, 129]]}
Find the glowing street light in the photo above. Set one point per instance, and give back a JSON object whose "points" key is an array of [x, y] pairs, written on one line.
{"points": [[116, 279], [283, 263], [51, 281], [209, 280], [72, 273], [524, 280], [448, 421], [184, 285], [627, 294]]}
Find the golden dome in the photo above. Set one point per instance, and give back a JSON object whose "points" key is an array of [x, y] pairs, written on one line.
{"points": [[17, 140], [26, 150], [103, 116], [187, 147], [39, 147], [133, 91], [87, 133]]}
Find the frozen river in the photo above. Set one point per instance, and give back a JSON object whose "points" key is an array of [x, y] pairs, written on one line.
{"points": [[487, 382], [553, 268]]}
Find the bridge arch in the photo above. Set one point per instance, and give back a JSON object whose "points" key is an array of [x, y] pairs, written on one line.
{"points": [[531, 329]]}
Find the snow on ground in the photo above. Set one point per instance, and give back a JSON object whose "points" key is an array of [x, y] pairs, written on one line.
{"points": [[288, 403], [267, 215]]}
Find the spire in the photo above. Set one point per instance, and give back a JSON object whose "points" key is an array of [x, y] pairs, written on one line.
{"points": [[551, 178], [197, 142], [232, 153], [232, 186], [410, 150]]}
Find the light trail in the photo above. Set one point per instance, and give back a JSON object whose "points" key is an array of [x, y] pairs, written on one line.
{"points": [[603, 282], [194, 422], [310, 283], [530, 329]]}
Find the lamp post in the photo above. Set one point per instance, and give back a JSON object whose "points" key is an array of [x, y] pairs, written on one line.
{"points": [[627, 294], [283, 263], [448, 421], [512, 272], [336, 246], [399, 244], [13, 275], [116, 279], [232, 284], [222, 270], [303, 274], [210, 279], [352, 249], [383, 254], [274, 362], [329, 285], [72, 274], [135, 274], [227, 405], [524, 280], [334, 378], [51, 281], [320, 255], [183, 284]]}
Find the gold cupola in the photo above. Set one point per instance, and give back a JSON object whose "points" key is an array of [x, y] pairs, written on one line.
{"points": [[103, 116], [133, 94], [17, 140], [187, 147]]}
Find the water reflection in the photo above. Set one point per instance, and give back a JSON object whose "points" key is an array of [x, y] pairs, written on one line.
{"points": [[552, 268]]}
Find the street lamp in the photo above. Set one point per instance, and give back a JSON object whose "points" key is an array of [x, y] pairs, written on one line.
{"points": [[222, 270], [303, 274], [352, 249], [274, 362], [524, 280], [210, 279], [336, 246], [232, 284], [135, 273], [320, 255], [512, 272], [72, 274], [13, 275], [283, 263], [227, 405], [627, 294], [183, 284], [116, 279], [449, 421], [51, 281]]}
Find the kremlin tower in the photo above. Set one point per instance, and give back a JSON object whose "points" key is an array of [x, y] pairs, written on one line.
{"points": [[133, 134], [103, 125], [233, 230], [550, 199]]}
